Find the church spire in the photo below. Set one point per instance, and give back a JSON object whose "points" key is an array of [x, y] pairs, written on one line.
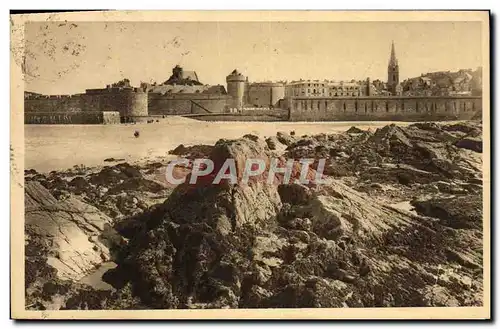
{"points": [[393, 72], [393, 61]]}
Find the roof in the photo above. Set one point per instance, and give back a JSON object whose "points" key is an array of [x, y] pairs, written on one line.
{"points": [[393, 61], [236, 72]]}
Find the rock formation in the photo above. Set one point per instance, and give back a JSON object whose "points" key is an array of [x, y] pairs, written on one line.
{"points": [[76, 234], [344, 243]]}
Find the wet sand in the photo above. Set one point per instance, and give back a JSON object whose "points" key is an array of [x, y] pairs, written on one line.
{"points": [[59, 147]]}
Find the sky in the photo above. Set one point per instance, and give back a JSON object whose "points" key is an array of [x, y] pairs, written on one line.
{"points": [[66, 57]]}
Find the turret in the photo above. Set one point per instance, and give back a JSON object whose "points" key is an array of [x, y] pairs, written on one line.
{"points": [[177, 72], [236, 88]]}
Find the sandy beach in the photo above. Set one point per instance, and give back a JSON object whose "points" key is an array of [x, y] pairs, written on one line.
{"points": [[58, 147]]}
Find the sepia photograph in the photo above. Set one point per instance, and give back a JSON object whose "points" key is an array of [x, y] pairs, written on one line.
{"points": [[258, 164]]}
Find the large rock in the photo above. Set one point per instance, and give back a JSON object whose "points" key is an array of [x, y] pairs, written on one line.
{"points": [[338, 211], [426, 147], [193, 152], [354, 130], [224, 206], [275, 145], [76, 234], [285, 138], [237, 246]]}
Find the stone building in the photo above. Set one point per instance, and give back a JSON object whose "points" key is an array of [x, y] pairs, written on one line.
{"points": [[101, 105], [307, 88], [444, 83], [181, 77], [264, 94], [182, 93], [182, 81], [367, 88], [345, 89], [317, 88], [253, 94]]}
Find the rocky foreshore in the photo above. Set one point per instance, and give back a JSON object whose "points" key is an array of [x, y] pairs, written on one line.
{"points": [[397, 223]]}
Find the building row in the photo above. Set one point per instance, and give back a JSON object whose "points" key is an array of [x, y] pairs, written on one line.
{"points": [[183, 93]]}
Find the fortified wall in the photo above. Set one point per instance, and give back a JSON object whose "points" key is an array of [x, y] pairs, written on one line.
{"points": [[256, 94], [89, 117], [245, 114], [53, 103], [264, 94], [132, 105], [387, 108], [171, 104], [128, 102]]}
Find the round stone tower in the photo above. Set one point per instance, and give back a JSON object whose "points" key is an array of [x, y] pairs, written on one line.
{"points": [[236, 88], [138, 103], [132, 105]]}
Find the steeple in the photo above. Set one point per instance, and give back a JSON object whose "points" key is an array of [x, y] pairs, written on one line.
{"points": [[392, 72], [393, 61]]}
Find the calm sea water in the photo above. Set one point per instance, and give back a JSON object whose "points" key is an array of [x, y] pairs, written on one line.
{"points": [[56, 147]]}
